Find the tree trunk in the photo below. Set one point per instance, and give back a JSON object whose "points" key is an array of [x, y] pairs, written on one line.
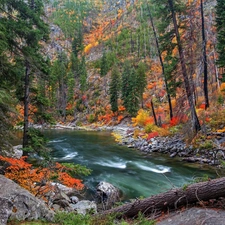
{"points": [[195, 121], [161, 62], [26, 104], [172, 199], [153, 112], [204, 59]]}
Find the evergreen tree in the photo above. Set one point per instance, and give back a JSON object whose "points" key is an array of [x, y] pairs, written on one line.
{"points": [[77, 44], [130, 93], [23, 30], [104, 65], [114, 88], [141, 80], [83, 74], [220, 25]]}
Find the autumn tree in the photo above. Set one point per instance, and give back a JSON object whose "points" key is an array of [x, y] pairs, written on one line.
{"points": [[170, 42], [220, 25], [114, 88], [204, 58], [161, 61], [195, 121]]}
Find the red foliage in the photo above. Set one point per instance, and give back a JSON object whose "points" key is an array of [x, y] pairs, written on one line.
{"points": [[148, 104], [84, 97], [174, 121], [165, 126], [202, 106], [152, 135]]}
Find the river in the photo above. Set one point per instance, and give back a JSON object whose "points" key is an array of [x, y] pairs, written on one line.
{"points": [[136, 174]]}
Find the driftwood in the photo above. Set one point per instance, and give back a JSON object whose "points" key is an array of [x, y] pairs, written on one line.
{"points": [[172, 199]]}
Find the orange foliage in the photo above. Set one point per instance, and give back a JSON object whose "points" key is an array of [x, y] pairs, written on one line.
{"points": [[159, 110], [151, 85], [69, 181], [149, 120], [28, 177], [145, 96], [119, 118], [222, 87], [148, 104], [105, 118], [121, 108]]}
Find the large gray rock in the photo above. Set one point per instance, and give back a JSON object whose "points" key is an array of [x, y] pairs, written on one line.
{"points": [[20, 204], [107, 194], [13, 152], [195, 216], [5, 210], [84, 207]]}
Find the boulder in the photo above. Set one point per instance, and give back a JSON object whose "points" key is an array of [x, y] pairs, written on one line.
{"points": [[5, 210], [13, 152], [20, 204], [74, 199], [84, 207], [107, 194]]}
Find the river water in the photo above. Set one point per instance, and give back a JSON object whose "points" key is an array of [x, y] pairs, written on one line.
{"points": [[133, 172]]}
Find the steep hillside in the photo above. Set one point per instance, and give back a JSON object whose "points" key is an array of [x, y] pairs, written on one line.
{"points": [[91, 41]]}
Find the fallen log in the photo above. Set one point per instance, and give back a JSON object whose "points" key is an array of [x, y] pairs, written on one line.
{"points": [[172, 199]]}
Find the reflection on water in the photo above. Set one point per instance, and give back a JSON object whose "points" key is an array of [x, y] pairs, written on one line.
{"points": [[131, 171]]}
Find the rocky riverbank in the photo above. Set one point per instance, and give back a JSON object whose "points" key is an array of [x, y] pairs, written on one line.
{"points": [[210, 151]]}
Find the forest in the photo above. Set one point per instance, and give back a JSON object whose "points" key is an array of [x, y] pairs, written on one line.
{"points": [[157, 68]]}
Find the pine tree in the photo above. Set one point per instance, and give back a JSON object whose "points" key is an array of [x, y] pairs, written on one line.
{"points": [[114, 88], [220, 25], [141, 80], [104, 64], [83, 74], [23, 30], [130, 93]]}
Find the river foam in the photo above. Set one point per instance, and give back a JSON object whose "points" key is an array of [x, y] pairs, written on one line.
{"points": [[120, 165], [70, 156], [158, 169]]}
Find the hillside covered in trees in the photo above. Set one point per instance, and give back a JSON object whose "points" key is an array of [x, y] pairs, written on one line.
{"points": [[158, 66], [100, 62]]}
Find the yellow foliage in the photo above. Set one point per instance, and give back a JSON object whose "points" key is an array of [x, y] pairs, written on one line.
{"points": [[136, 133], [173, 102], [117, 136], [141, 118], [149, 128], [88, 48]]}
